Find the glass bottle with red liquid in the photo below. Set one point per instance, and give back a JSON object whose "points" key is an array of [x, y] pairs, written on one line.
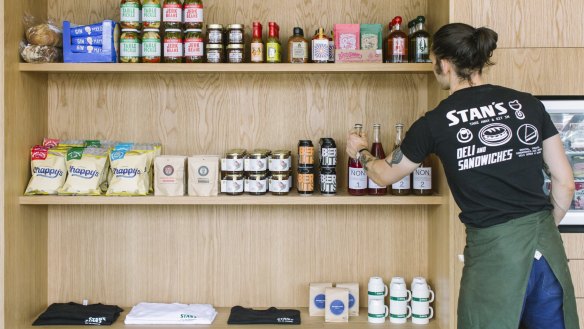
{"points": [[376, 151], [357, 177], [403, 186], [397, 43]]}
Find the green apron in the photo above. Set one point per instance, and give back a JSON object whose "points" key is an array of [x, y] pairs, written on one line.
{"points": [[497, 265]]}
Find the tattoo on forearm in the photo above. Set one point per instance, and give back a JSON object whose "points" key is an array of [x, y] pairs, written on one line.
{"points": [[364, 158], [396, 157]]}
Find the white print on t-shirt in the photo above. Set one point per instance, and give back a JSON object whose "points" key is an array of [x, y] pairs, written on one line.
{"points": [[495, 134], [95, 321], [528, 134], [476, 113], [485, 159], [464, 135], [516, 106]]}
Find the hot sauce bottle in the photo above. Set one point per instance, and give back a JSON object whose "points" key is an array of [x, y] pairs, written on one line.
{"points": [[257, 45], [397, 43], [376, 151], [357, 176], [273, 47], [402, 187], [320, 47], [297, 47]]}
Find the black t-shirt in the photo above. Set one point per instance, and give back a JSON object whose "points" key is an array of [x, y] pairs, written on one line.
{"points": [[489, 139]]}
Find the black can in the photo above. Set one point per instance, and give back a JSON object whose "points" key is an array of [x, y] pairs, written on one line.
{"points": [[328, 181], [305, 153], [328, 152], [305, 180]]}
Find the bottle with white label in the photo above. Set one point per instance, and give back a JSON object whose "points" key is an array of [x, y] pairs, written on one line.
{"points": [[320, 47], [422, 179], [403, 186], [357, 176]]}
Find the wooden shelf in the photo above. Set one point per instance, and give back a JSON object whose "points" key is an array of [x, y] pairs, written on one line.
{"points": [[292, 199], [228, 68], [312, 322]]}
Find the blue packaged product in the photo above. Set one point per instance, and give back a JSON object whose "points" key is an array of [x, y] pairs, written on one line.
{"points": [[88, 41], [86, 49], [87, 30]]}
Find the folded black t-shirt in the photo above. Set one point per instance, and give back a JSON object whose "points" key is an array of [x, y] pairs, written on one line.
{"points": [[272, 315], [77, 314]]}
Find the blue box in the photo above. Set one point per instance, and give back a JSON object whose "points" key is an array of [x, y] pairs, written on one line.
{"points": [[96, 40], [75, 53]]}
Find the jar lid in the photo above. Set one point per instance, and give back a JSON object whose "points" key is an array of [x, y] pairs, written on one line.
{"points": [[172, 30], [234, 46], [235, 27], [214, 46], [261, 151], [233, 176], [282, 152], [236, 152], [280, 176], [151, 30], [258, 176], [193, 30], [215, 26], [130, 30]]}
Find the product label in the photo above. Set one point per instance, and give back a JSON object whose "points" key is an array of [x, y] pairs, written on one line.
{"points": [[215, 36], [299, 50], [194, 47], [279, 185], [235, 36], [280, 164], [232, 164], [328, 157], [235, 57], [173, 48], [421, 300], [193, 13], [420, 316], [376, 316], [232, 186], [422, 46], [130, 12], [423, 178], [255, 164], [172, 12], [256, 186], [320, 50], [305, 182], [273, 51], [376, 293], [372, 184], [306, 155], [214, 56], [403, 184], [129, 48], [151, 48], [257, 52], [397, 316], [337, 307], [328, 184], [151, 13], [331, 51], [348, 41], [357, 179], [319, 301], [351, 300], [399, 46]]}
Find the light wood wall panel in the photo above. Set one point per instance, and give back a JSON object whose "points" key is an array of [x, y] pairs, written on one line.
{"points": [[211, 113], [574, 244], [580, 307], [577, 271], [527, 23], [253, 256], [23, 228], [2, 129]]}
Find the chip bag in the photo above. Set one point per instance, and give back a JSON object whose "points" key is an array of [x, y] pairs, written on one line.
{"points": [[48, 171], [130, 172], [86, 168]]}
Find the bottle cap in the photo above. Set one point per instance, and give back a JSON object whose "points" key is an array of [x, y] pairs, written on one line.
{"points": [[397, 19], [298, 31], [421, 19]]}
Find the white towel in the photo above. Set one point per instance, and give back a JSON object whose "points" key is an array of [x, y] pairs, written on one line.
{"points": [[159, 313]]}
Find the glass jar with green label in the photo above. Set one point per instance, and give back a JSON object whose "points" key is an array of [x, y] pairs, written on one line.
{"points": [[130, 14], [151, 14], [151, 46], [130, 46]]}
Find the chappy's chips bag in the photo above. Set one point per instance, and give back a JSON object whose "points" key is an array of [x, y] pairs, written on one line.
{"points": [[48, 171], [130, 172], [85, 168]]}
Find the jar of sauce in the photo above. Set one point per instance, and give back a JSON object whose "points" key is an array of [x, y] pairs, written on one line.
{"points": [[130, 46], [234, 53], [173, 46], [215, 53], [215, 34], [280, 184], [280, 162], [257, 162], [233, 161], [151, 46], [256, 184], [232, 184], [194, 46], [235, 34]]}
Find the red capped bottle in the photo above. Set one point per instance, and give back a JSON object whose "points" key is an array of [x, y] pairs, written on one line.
{"points": [[378, 152], [397, 43], [257, 45], [357, 177]]}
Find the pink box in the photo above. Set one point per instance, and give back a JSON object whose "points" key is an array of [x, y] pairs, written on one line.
{"points": [[347, 36], [358, 56]]}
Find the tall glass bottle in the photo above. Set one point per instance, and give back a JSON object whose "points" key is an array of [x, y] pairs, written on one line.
{"points": [[297, 47], [403, 186], [422, 179], [357, 177], [320, 47], [257, 45], [421, 42], [376, 151], [397, 46], [273, 46]]}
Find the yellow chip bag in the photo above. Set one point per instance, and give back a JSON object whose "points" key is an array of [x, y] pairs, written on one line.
{"points": [[130, 170], [85, 168], [48, 171]]}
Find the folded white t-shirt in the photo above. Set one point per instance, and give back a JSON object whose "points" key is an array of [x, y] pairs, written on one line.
{"points": [[159, 313]]}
